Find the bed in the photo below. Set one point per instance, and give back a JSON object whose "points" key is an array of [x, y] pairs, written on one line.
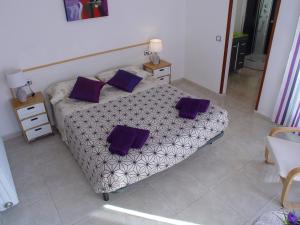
{"points": [[151, 106]]}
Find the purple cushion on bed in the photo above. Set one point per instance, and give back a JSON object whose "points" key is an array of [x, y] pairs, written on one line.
{"points": [[125, 81], [202, 104], [87, 90], [122, 140], [140, 139]]}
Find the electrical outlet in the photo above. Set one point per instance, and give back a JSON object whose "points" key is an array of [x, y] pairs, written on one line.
{"points": [[219, 38], [147, 52]]}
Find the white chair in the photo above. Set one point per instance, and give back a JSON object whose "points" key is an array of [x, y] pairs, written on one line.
{"points": [[287, 157]]}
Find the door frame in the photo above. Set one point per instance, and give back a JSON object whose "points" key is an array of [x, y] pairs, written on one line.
{"points": [[225, 57]]}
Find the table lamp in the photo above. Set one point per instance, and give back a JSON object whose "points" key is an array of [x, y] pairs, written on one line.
{"points": [[17, 80], [155, 47]]}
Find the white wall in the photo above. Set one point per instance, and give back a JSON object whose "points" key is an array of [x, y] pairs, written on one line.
{"points": [[240, 13], [204, 55], [282, 44], [34, 32]]}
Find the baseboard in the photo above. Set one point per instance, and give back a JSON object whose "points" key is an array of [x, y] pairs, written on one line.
{"points": [[177, 80], [205, 89], [11, 136], [263, 116]]}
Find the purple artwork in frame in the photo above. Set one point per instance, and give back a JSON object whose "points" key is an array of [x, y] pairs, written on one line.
{"points": [[85, 9]]}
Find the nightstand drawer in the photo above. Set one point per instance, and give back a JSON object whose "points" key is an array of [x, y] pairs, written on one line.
{"points": [[35, 121], [164, 80], [31, 111], [38, 132], [162, 72]]}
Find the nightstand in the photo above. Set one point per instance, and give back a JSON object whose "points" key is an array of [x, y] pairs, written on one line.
{"points": [[32, 117], [162, 71]]}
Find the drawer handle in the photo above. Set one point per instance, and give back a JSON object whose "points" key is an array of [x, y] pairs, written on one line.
{"points": [[162, 70], [243, 44], [33, 119], [234, 46], [242, 53], [30, 108], [162, 78], [241, 63], [37, 129]]}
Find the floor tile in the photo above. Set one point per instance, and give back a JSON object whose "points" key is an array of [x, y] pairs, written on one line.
{"points": [[178, 188], [210, 210], [110, 217], [31, 188], [75, 201], [42, 212], [244, 194], [271, 206], [145, 199], [208, 168]]}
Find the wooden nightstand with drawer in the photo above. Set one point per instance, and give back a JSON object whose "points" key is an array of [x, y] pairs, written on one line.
{"points": [[162, 71], [32, 117]]}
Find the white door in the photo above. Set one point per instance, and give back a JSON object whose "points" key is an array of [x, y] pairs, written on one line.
{"points": [[206, 32]]}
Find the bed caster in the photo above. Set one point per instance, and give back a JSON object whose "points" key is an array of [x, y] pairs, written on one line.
{"points": [[105, 197]]}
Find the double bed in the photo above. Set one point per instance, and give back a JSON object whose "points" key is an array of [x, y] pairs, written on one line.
{"points": [[85, 127]]}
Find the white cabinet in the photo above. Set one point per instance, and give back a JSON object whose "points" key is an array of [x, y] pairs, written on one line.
{"points": [[162, 71], [37, 132], [163, 80], [32, 117], [31, 111], [35, 121]]}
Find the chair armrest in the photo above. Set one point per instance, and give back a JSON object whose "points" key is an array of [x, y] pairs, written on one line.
{"points": [[277, 130], [294, 172]]}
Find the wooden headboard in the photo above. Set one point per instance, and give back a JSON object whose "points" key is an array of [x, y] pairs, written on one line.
{"points": [[84, 57]]}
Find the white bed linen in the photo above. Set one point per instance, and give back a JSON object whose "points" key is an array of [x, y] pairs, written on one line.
{"points": [[108, 93]]}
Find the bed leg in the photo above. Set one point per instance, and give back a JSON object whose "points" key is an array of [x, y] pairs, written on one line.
{"points": [[105, 196]]}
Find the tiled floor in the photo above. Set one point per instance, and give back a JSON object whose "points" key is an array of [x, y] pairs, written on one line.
{"points": [[225, 183], [244, 86]]}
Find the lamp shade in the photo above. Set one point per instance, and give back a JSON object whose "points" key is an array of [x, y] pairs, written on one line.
{"points": [[16, 80], [155, 45]]}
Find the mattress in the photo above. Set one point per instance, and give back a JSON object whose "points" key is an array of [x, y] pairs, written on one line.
{"points": [[172, 139]]}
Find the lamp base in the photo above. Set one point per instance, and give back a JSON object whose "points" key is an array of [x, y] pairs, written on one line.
{"points": [[155, 59], [21, 94]]}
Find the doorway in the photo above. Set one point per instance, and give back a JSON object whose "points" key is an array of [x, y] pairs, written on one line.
{"points": [[254, 27]]}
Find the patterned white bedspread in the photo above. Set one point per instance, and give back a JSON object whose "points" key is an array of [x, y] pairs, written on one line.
{"points": [[172, 139]]}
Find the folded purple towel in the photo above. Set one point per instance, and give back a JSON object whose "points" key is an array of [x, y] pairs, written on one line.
{"points": [[186, 113], [203, 104], [122, 141], [140, 136], [190, 107]]}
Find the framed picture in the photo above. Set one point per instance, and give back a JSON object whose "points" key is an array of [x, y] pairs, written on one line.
{"points": [[85, 9]]}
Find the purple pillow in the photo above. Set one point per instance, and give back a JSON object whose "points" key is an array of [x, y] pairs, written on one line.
{"points": [[125, 81], [87, 90]]}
